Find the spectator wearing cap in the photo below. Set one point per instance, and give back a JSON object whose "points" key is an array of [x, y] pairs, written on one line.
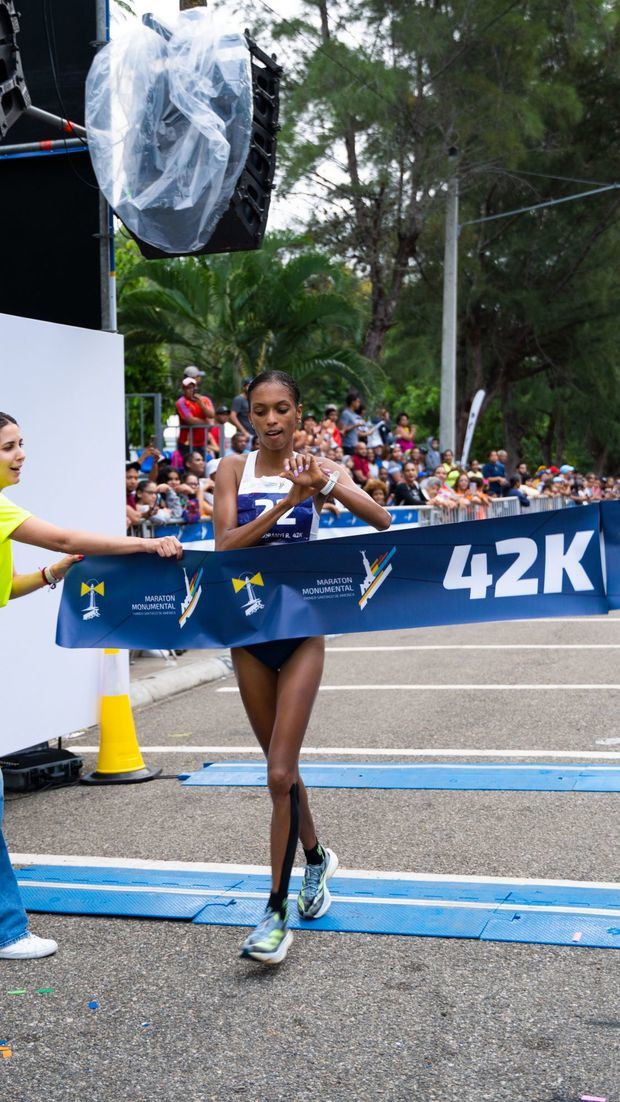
{"points": [[564, 488], [193, 372], [495, 473], [221, 433], [240, 410], [351, 423], [196, 414], [408, 492]]}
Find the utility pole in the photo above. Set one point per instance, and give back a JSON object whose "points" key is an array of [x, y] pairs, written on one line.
{"points": [[447, 413]]}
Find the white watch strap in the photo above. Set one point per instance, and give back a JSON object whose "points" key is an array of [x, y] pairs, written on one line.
{"points": [[331, 482]]}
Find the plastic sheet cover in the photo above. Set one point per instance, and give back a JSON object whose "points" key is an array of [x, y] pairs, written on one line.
{"points": [[169, 117]]}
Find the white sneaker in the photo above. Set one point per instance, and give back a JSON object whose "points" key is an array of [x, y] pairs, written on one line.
{"points": [[29, 947]]}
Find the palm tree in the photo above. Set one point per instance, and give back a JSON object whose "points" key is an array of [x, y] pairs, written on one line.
{"points": [[284, 306]]}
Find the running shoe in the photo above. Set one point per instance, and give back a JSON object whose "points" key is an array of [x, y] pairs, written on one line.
{"points": [[314, 898], [270, 941]]}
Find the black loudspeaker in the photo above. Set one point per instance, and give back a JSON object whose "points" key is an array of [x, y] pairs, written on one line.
{"points": [[242, 226], [14, 98], [50, 201]]}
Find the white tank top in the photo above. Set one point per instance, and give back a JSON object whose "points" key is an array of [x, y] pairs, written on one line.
{"points": [[258, 494]]}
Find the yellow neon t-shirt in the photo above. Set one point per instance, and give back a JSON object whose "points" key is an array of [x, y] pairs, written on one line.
{"points": [[11, 516]]}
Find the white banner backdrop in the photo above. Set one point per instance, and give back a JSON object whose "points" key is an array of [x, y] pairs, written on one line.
{"points": [[64, 386]]}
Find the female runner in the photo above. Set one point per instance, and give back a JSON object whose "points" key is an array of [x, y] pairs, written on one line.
{"points": [[269, 496], [16, 942]]}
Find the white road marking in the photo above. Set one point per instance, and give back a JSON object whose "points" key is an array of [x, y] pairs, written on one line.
{"points": [[562, 620], [454, 688], [420, 765], [389, 752], [476, 646], [76, 860], [376, 901]]}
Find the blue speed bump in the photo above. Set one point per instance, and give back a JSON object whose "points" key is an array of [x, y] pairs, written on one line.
{"points": [[540, 912], [451, 776]]}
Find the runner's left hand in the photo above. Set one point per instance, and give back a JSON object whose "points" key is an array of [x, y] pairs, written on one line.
{"points": [[305, 472]]}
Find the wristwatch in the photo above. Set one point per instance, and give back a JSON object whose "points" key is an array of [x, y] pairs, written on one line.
{"points": [[331, 482]]}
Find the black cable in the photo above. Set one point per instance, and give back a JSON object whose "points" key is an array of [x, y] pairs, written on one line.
{"points": [[50, 37]]}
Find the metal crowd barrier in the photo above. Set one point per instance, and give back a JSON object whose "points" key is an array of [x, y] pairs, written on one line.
{"points": [[422, 515], [548, 504], [497, 507]]}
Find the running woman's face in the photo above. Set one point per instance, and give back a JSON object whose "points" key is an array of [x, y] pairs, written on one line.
{"points": [[274, 416], [12, 455]]}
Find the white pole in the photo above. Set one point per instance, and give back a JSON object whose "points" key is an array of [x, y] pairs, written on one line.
{"points": [[447, 414]]}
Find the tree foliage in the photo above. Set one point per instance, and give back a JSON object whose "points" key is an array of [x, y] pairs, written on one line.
{"points": [[382, 90], [286, 307]]}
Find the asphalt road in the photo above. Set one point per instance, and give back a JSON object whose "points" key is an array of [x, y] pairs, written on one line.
{"points": [[348, 1016]]}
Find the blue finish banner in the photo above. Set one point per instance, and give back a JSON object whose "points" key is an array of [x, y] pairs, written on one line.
{"points": [[547, 564]]}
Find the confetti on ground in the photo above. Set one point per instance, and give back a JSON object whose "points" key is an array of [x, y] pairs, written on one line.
{"points": [[21, 991], [577, 937], [6, 1052], [591, 1098], [45, 990], [93, 1005], [145, 1025]]}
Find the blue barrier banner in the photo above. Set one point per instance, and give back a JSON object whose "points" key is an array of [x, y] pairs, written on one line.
{"points": [[196, 533], [610, 515], [547, 564]]}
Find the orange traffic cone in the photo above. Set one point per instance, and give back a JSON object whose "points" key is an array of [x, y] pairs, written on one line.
{"points": [[119, 760]]}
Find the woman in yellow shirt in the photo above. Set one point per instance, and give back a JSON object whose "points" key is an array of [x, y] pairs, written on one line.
{"points": [[16, 942]]}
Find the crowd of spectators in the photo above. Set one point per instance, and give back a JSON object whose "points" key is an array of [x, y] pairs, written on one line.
{"points": [[380, 451]]}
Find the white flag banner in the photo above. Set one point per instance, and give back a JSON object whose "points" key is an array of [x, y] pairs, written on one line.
{"points": [[476, 406]]}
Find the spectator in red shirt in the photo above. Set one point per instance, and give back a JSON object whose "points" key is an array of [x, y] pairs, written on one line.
{"points": [[360, 464], [196, 413]]}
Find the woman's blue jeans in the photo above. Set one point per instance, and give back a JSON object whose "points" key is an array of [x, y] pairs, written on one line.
{"points": [[13, 918]]}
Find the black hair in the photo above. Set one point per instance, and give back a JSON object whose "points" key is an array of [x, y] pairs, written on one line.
{"points": [[352, 396], [143, 483], [6, 419], [281, 377], [515, 481], [133, 465]]}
